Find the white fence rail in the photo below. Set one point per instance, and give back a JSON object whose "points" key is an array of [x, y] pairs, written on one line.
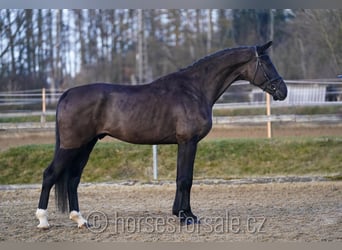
{"points": [[28, 97], [217, 120], [300, 93]]}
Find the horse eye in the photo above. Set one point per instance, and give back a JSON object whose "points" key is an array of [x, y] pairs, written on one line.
{"points": [[273, 87]]}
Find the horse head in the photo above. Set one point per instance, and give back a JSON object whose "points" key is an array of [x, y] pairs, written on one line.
{"points": [[262, 73]]}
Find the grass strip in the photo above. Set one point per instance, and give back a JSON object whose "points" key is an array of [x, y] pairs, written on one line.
{"points": [[223, 159]]}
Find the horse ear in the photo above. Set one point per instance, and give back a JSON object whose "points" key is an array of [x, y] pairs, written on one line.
{"points": [[264, 47]]}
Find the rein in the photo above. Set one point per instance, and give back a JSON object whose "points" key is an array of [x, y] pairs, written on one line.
{"points": [[268, 84]]}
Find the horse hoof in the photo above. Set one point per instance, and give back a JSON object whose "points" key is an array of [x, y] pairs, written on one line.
{"points": [[189, 221], [187, 218], [84, 225], [42, 215], [43, 227]]}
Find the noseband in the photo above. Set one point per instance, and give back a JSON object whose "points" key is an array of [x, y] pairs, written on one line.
{"points": [[268, 84]]}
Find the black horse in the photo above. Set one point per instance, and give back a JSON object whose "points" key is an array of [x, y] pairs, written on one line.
{"points": [[174, 109]]}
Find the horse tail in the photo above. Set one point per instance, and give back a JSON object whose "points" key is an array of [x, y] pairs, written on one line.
{"points": [[61, 191], [61, 185]]}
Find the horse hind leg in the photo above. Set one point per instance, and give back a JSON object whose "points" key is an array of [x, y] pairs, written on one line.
{"points": [[49, 179], [74, 180], [50, 176], [54, 174]]}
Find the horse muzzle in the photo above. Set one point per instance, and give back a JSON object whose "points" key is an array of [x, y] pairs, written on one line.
{"points": [[281, 92]]}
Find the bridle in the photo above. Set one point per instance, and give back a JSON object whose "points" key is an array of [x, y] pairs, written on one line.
{"points": [[268, 85]]}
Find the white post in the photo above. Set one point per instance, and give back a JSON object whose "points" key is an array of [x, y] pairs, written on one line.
{"points": [[268, 113], [155, 162]]}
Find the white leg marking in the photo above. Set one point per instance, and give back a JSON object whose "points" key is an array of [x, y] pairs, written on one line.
{"points": [[77, 217], [42, 215]]}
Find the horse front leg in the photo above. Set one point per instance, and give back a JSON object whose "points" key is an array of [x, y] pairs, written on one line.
{"points": [[185, 166]]}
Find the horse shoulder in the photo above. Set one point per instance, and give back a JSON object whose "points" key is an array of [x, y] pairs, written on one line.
{"points": [[194, 117]]}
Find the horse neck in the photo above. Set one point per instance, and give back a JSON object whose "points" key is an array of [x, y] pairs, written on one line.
{"points": [[220, 70]]}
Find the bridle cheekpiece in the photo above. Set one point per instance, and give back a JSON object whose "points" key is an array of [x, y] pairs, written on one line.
{"points": [[268, 85]]}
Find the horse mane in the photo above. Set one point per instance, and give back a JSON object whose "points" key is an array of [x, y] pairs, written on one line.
{"points": [[214, 55], [201, 62]]}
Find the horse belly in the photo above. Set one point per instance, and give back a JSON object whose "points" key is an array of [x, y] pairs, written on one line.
{"points": [[139, 126]]}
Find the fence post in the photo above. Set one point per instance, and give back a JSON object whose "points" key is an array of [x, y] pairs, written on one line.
{"points": [[155, 162], [268, 113], [42, 117]]}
